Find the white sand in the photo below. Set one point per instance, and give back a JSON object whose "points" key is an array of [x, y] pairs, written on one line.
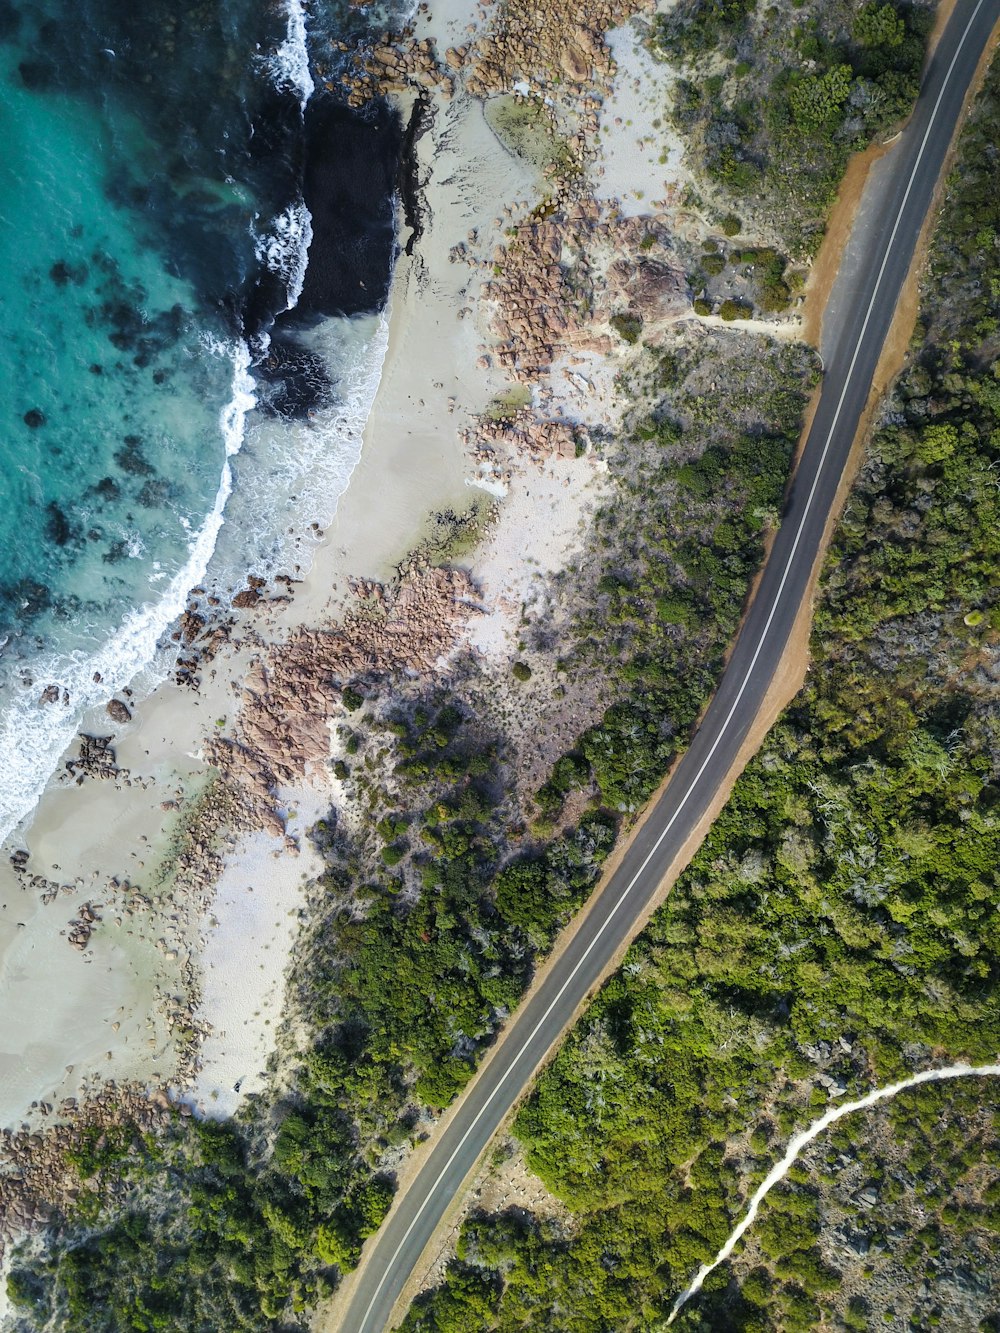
{"points": [[59, 1005], [641, 164], [249, 931], [539, 525]]}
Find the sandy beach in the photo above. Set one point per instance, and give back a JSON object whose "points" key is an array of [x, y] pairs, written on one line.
{"points": [[489, 400], [74, 1017]]}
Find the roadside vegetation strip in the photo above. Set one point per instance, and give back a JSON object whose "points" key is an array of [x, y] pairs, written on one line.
{"points": [[836, 929], [806, 1136], [789, 101]]}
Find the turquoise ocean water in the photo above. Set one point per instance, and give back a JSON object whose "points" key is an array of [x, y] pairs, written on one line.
{"points": [[150, 196]]}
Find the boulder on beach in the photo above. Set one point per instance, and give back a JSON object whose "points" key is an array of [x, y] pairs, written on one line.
{"points": [[118, 711]]}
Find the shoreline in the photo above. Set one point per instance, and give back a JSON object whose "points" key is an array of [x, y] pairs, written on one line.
{"points": [[421, 457], [486, 394]]}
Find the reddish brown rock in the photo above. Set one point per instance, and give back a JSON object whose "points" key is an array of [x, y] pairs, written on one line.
{"points": [[118, 711], [652, 290], [291, 695]]}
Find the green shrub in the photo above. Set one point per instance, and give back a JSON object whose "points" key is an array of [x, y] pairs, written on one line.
{"points": [[521, 671], [628, 327], [879, 26], [393, 854], [816, 100]]}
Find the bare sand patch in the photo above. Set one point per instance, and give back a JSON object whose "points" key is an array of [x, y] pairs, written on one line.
{"points": [[248, 933], [640, 164]]}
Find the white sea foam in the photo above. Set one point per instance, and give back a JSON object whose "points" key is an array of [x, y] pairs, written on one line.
{"points": [[33, 735], [135, 547], [293, 473], [289, 66], [336, 434], [285, 248]]}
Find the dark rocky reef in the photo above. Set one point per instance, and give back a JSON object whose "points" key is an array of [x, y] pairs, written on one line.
{"points": [[293, 381], [351, 173]]}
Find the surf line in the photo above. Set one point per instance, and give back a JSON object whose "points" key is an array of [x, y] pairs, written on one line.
{"points": [[799, 1141]]}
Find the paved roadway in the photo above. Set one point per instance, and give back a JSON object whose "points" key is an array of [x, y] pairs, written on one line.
{"points": [[918, 159]]}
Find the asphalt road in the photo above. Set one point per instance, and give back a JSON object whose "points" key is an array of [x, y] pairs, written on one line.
{"points": [[917, 163]]}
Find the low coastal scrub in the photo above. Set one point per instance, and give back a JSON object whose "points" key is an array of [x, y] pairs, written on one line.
{"points": [[445, 883], [699, 482], [794, 93], [837, 930]]}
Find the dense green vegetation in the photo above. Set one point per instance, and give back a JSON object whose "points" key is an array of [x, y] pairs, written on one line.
{"points": [[838, 923], [442, 891], [837, 929], [430, 958], [201, 1241], [800, 89], [664, 582]]}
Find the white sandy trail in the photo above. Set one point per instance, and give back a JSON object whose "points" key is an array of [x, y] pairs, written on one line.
{"points": [[799, 1141]]}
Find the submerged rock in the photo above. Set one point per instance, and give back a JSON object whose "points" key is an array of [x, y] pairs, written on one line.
{"points": [[295, 380]]}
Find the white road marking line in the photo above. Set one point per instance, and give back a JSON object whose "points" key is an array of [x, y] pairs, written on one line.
{"points": [[732, 711]]}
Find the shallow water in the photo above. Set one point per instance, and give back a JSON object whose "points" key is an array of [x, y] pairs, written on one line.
{"points": [[152, 167]]}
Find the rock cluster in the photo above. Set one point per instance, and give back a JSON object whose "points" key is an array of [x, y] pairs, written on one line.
{"points": [[37, 1181], [47, 889], [560, 279], [522, 434], [96, 759], [546, 44], [291, 696], [82, 926], [203, 629], [538, 303], [189, 627], [251, 594], [395, 65]]}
